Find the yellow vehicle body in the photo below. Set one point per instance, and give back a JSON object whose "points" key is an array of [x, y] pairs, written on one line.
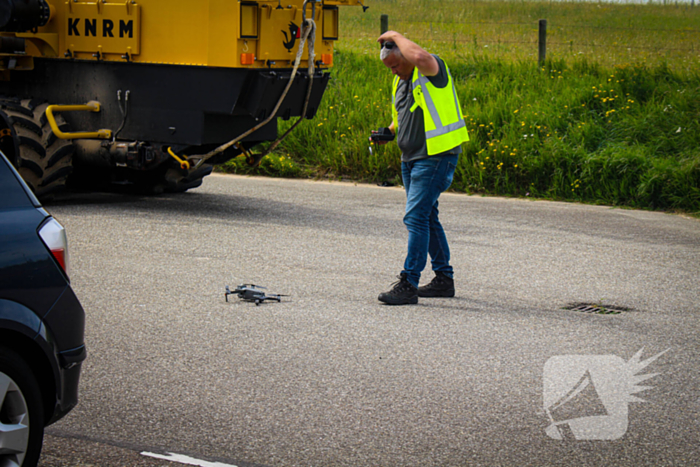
{"points": [[145, 92], [219, 33]]}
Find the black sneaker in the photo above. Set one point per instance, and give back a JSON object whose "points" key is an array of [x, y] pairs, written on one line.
{"points": [[441, 286], [403, 293]]}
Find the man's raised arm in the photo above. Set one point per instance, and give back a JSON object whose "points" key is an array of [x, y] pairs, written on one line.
{"points": [[412, 52]]}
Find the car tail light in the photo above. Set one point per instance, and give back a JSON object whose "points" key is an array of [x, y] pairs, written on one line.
{"points": [[54, 236]]}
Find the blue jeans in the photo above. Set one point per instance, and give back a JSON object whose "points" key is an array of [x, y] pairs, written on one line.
{"points": [[424, 180]]}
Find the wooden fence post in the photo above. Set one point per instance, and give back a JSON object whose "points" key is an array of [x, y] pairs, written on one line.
{"points": [[542, 42], [384, 24]]}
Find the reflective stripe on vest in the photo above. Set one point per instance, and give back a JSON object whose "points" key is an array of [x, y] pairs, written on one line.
{"points": [[440, 129], [442, 137], [421, 86]]}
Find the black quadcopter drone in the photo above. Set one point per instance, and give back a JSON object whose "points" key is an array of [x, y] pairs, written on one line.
{"points": [[252, 293]]}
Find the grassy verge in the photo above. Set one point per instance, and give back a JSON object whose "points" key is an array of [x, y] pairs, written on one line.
{"points": [[605, 33], [573, 129]]}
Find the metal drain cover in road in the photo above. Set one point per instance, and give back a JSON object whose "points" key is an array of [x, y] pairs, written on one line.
{"points": [[597, 308]]}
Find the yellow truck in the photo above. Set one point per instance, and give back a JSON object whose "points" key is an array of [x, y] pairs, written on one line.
{"points": [[152, 93]]}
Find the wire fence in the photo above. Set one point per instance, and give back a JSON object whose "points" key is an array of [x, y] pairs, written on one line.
{"points": [[499, 23], [612, 44], [431, 31]]}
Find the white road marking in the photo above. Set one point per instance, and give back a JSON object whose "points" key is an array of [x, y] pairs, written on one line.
{"points": [[185, 460]]}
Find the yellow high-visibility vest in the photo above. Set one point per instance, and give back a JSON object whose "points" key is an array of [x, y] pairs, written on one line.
{"points": [[445, 128]]}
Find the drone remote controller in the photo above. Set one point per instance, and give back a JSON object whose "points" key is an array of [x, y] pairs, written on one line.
{"points": [[382, 134]]}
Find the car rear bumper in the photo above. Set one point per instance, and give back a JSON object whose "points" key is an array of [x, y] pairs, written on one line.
{"points": [[65, 324], [67, 393]]}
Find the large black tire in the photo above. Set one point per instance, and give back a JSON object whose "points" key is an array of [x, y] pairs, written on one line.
{"points": [[43, 160], [21, 412]]}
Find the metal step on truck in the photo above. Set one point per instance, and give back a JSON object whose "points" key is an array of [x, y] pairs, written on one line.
{"points": [[152, 94]]}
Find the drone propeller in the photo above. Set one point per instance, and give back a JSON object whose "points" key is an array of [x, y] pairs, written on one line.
{"points": [[250, 286]]}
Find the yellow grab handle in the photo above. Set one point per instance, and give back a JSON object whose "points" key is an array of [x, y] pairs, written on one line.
{"points": [[183, 163], [92, 106]]}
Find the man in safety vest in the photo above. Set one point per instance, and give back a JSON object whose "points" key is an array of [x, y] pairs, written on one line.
{"points": [[429, 128]]}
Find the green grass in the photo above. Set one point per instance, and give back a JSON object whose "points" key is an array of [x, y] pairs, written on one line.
{"points": [[621, 131], [605, 33]]}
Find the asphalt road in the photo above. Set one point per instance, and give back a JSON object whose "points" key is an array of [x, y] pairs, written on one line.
{"points": [[331, 377]]}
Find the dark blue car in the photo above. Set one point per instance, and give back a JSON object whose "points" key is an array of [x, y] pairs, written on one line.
{"points": [[41, 322]]}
